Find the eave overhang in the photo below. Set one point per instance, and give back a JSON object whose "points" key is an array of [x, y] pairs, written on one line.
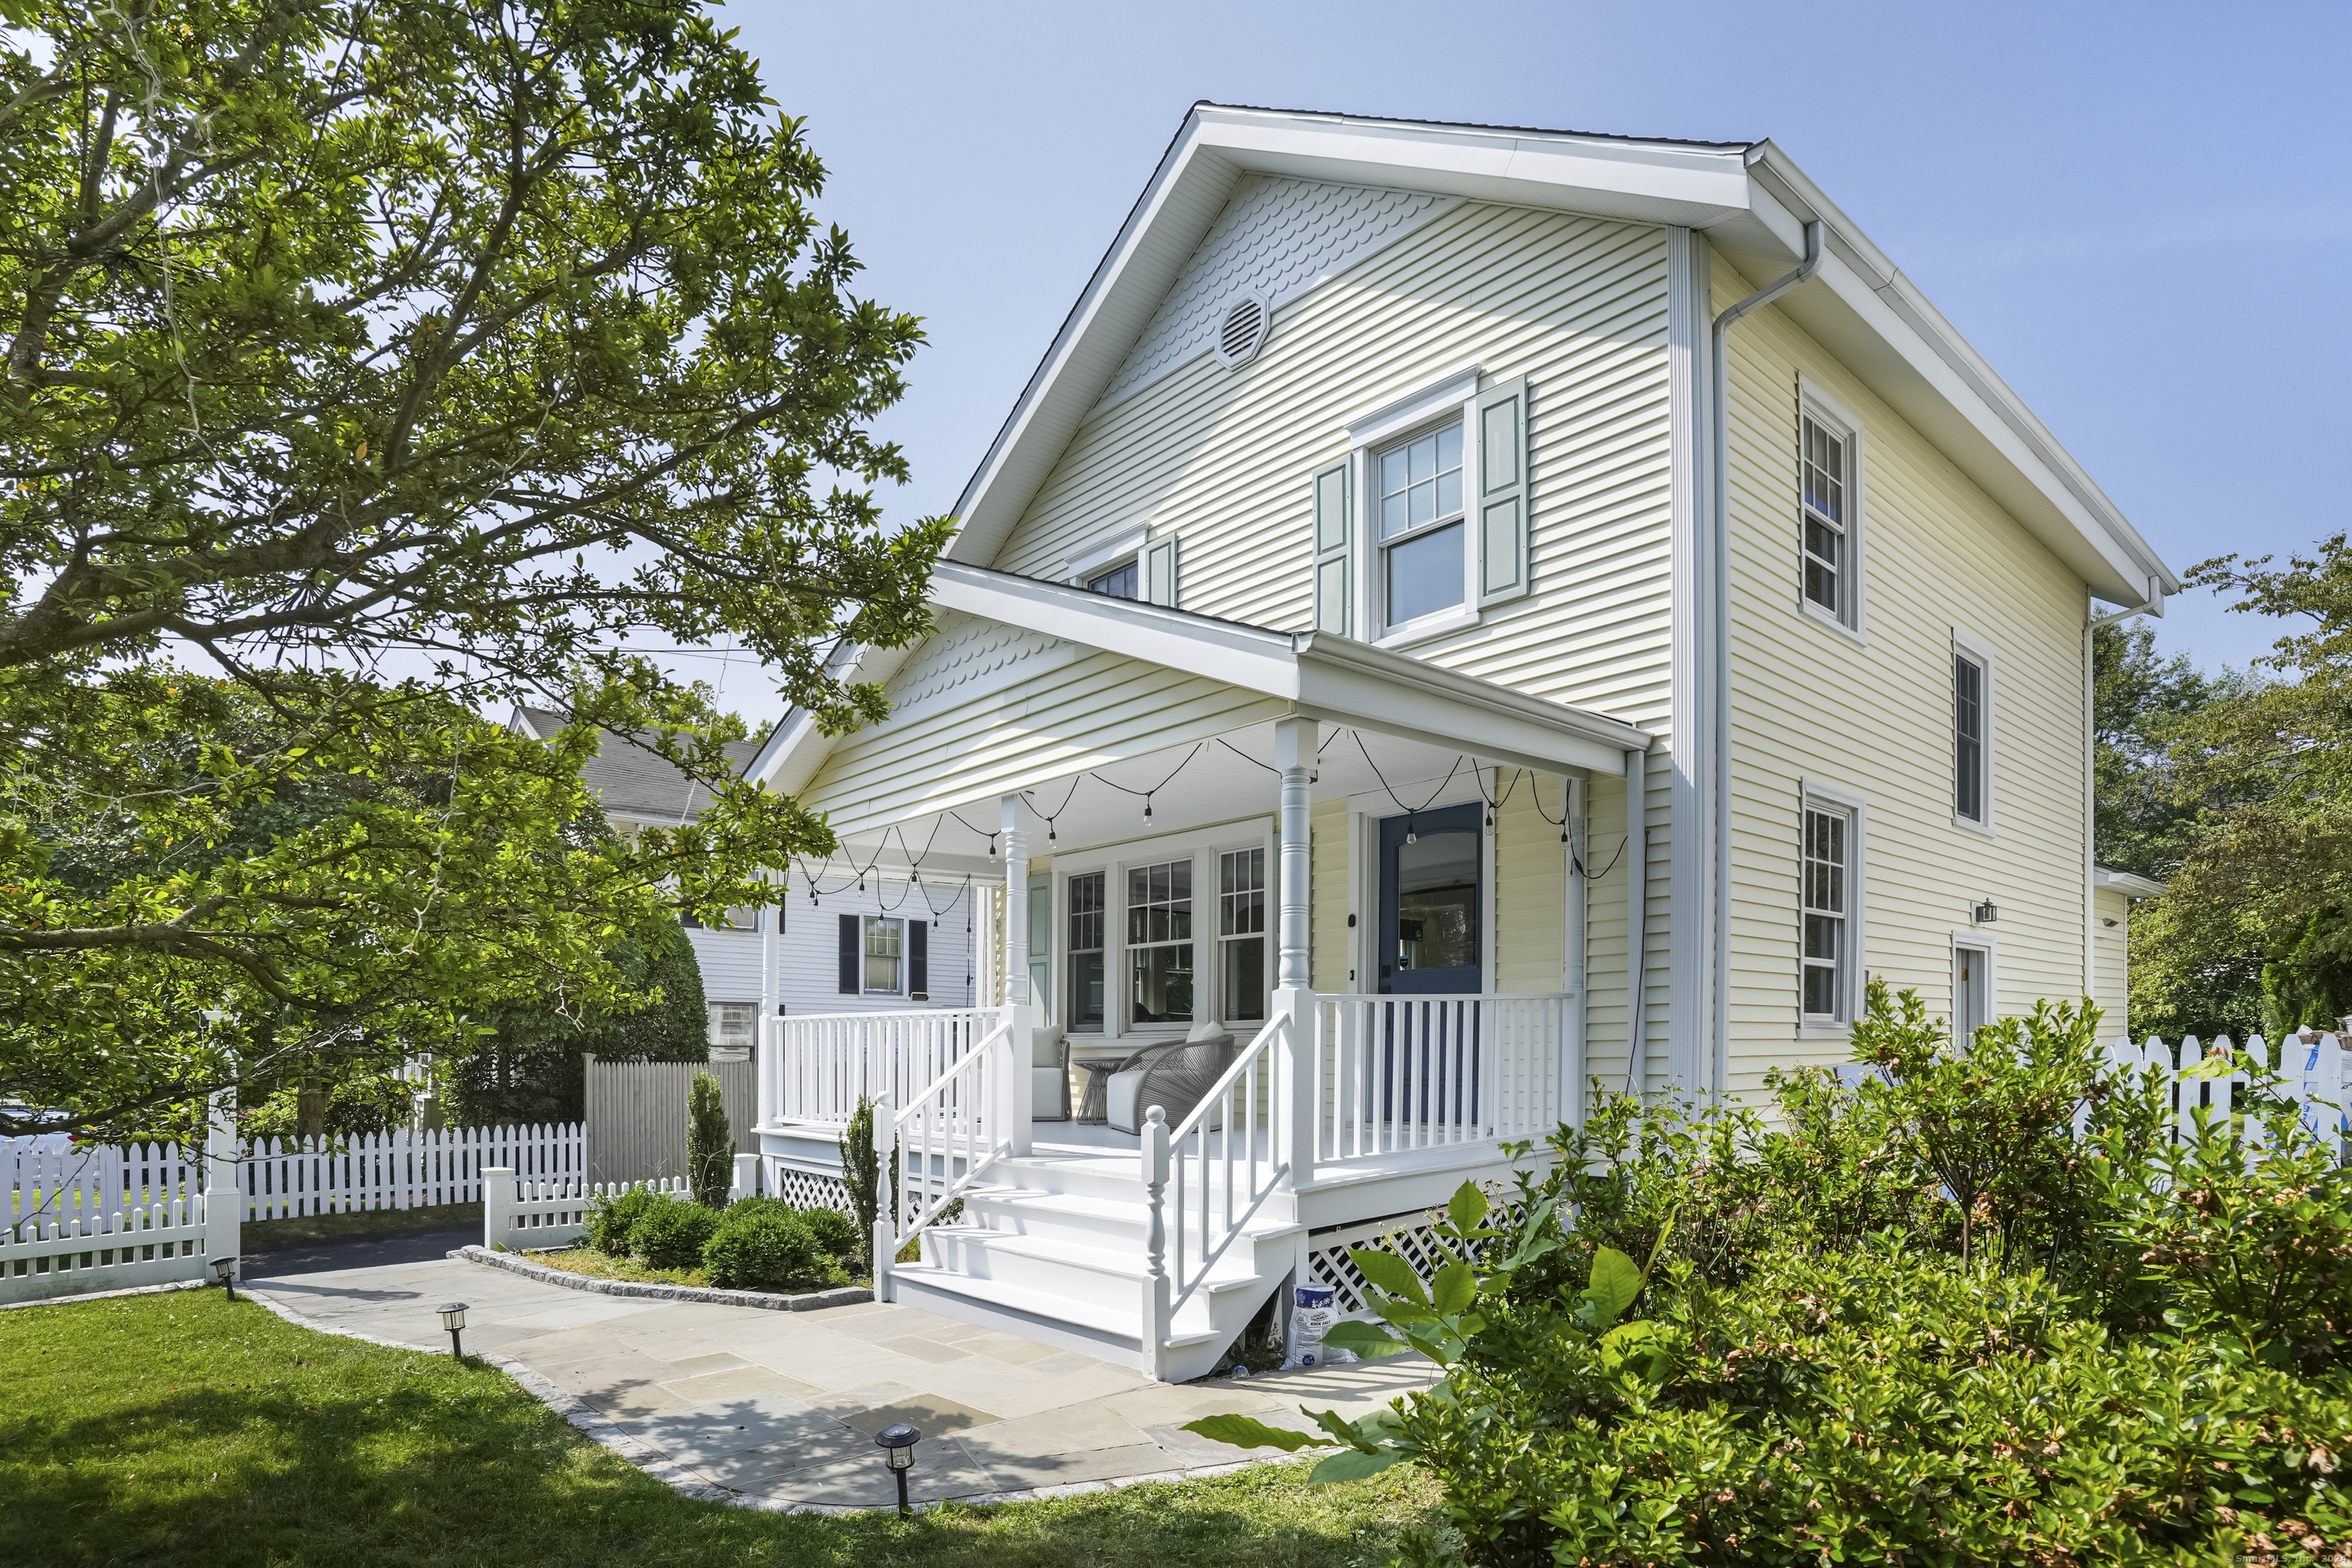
{"points": [[1751, 201]]}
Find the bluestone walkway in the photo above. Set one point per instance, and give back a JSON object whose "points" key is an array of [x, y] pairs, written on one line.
{"points": [[785, 1404]]}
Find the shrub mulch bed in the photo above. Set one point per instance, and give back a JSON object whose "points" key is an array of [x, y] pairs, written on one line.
{"points": [[586, 1270]]}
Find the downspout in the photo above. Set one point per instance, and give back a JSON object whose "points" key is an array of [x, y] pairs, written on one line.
{"points": [[1719, 524], [1637, 913]]}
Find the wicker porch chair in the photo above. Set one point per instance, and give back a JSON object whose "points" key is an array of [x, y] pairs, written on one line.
{"points": [[1173, 1077]]}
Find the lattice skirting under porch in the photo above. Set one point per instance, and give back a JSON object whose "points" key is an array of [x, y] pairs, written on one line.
{"points": [[807, 1190], [1329, 1265]]}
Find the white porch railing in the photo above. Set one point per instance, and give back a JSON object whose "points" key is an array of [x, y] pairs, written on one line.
{"points": [[1395, 1074], [817, 1065], [1221, 1163], [959, 1124]]}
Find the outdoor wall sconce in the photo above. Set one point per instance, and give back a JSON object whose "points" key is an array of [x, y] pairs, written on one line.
{"points": [[225, 1270], [897, 1444], [453, 1318], [1985, 913]]}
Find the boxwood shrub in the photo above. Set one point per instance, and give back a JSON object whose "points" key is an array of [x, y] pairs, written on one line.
{"points": [[765, 1249], [613, 1217], [672, 1233]]}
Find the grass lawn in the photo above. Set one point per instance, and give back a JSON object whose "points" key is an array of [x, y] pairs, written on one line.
{"points": [[179, 1429]]}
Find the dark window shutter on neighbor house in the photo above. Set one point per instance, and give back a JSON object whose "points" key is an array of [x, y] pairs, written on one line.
{"points": [[849, 987], [918, 960]]}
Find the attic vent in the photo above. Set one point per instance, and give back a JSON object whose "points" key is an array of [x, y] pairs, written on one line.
{"points": [[1242, 330]]}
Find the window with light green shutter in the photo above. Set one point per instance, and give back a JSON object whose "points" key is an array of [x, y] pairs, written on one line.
{"points": [[1159, 572], [1503, 492], [1334, 588]]}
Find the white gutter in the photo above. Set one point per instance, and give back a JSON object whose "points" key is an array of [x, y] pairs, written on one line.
{"points": [[1719, 526]]}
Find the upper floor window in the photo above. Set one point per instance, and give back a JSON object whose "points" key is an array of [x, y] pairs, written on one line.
{"points": [[1968, 738], [1124, 581], [1828, 559], [1420, 484]]}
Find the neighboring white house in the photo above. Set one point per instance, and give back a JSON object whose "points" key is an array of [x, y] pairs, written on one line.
{"points": [[845, 943], [1468, 612]]}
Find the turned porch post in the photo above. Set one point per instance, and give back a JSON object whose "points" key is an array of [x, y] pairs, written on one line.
{"points": [[1294, 757], [1013, 1083]]}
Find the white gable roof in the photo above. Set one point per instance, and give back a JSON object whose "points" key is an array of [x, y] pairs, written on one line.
{"points": [[1752, 202]]}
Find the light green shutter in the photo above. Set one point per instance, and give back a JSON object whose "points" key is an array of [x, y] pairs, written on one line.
{"points": [[1503, 492], [1333, 598], [1159, 572]]}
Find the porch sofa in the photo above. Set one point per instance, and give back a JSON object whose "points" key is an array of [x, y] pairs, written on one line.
{"points": [[1173, 1077]]}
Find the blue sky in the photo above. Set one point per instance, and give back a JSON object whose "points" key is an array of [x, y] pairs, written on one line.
{"points": [[2140, 214]]}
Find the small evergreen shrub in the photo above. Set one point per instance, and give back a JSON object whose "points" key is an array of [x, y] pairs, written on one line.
{"points": [[672, 1233], [836, 1233], [764, 1250], [613, 1217], [709, 1143]]}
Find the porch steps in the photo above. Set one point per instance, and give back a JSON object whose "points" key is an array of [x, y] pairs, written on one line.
{"points": [[1068, 1266]]}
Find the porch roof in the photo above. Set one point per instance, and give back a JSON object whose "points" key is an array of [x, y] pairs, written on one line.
{"points": [[1205, 678]]}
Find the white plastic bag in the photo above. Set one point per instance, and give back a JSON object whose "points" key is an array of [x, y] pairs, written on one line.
{"points": [[1313, 1310]]}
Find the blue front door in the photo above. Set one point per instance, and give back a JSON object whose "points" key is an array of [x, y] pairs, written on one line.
{"points": [[1429, 869]]}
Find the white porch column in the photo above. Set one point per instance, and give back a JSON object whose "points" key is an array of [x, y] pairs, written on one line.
{"points": [[1294, 757], [1020, 1006], [768, 1038]]}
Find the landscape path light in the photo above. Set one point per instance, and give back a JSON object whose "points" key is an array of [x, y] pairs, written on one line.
{"points": [[897, 1444], [225, 1270], [453, 1318]]}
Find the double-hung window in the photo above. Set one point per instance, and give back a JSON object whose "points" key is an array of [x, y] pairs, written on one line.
{"points": [[883, 948], [1240, 932], [1086, 896], [1160, 942], [1967, 739], [1825, 514], [1827, 888], [731, 1025], [1419, 482]]}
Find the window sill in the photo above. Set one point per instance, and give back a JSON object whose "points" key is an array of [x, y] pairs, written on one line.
{"points": [[1429, 627], [1828, 622], [1817, 1031], [1982, 829]]}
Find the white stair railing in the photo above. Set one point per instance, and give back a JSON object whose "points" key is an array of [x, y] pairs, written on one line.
{"points": [[820, 1063], [1403, 1073], [954, 1129], [1224, 1161]]}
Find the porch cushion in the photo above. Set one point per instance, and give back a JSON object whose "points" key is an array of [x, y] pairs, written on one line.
{"points": [[1049, 1075]]}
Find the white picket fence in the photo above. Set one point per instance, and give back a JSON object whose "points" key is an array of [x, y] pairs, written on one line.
{"points": [[2314, 1069], [520, 1214]]}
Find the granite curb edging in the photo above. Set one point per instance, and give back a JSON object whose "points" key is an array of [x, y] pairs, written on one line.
{"points": [[608, 1434], [845, 1296], [108, 1295]]}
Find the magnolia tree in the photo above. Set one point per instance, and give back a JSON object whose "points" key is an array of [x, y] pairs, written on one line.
{"points": [[368, 366]]}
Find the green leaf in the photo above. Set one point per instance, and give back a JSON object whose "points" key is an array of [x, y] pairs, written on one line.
{"points": [[1354, 1465], [1614, 1284], [1242, 1432], [1456, 1286], [1468, 1206], [1341, 1430], [1368, 1341], [1391, 1273]]}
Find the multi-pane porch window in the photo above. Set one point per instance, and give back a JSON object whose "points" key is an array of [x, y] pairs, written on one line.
{"points": [[883, 948], [1822, 475], [1086, 893], [1240, 932], [1968, 738], [1160, 942], [1823, 874], [1420, 484]]}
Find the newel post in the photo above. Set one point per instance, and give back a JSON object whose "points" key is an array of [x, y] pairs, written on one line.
{"points": [[1158, 1293], [1294, 1001], [224, 1202], [886, 1197], [498, 1203], [1020, 1010]]}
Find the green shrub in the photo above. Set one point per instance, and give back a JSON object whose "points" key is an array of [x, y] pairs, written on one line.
{"points": [[1978, 1308], [764, 1250], [836, 1233], [709, 1145], [613, 1216], [672, 1233]]}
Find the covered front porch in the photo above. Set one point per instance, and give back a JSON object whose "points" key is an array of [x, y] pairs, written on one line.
{"points": [[1284, 933]]}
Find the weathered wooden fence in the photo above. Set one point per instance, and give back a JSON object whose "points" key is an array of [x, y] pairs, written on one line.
{"points": [[636, 1116]]}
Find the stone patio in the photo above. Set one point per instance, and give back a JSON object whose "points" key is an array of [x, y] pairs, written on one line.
{"points": [[784, 1405]]}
